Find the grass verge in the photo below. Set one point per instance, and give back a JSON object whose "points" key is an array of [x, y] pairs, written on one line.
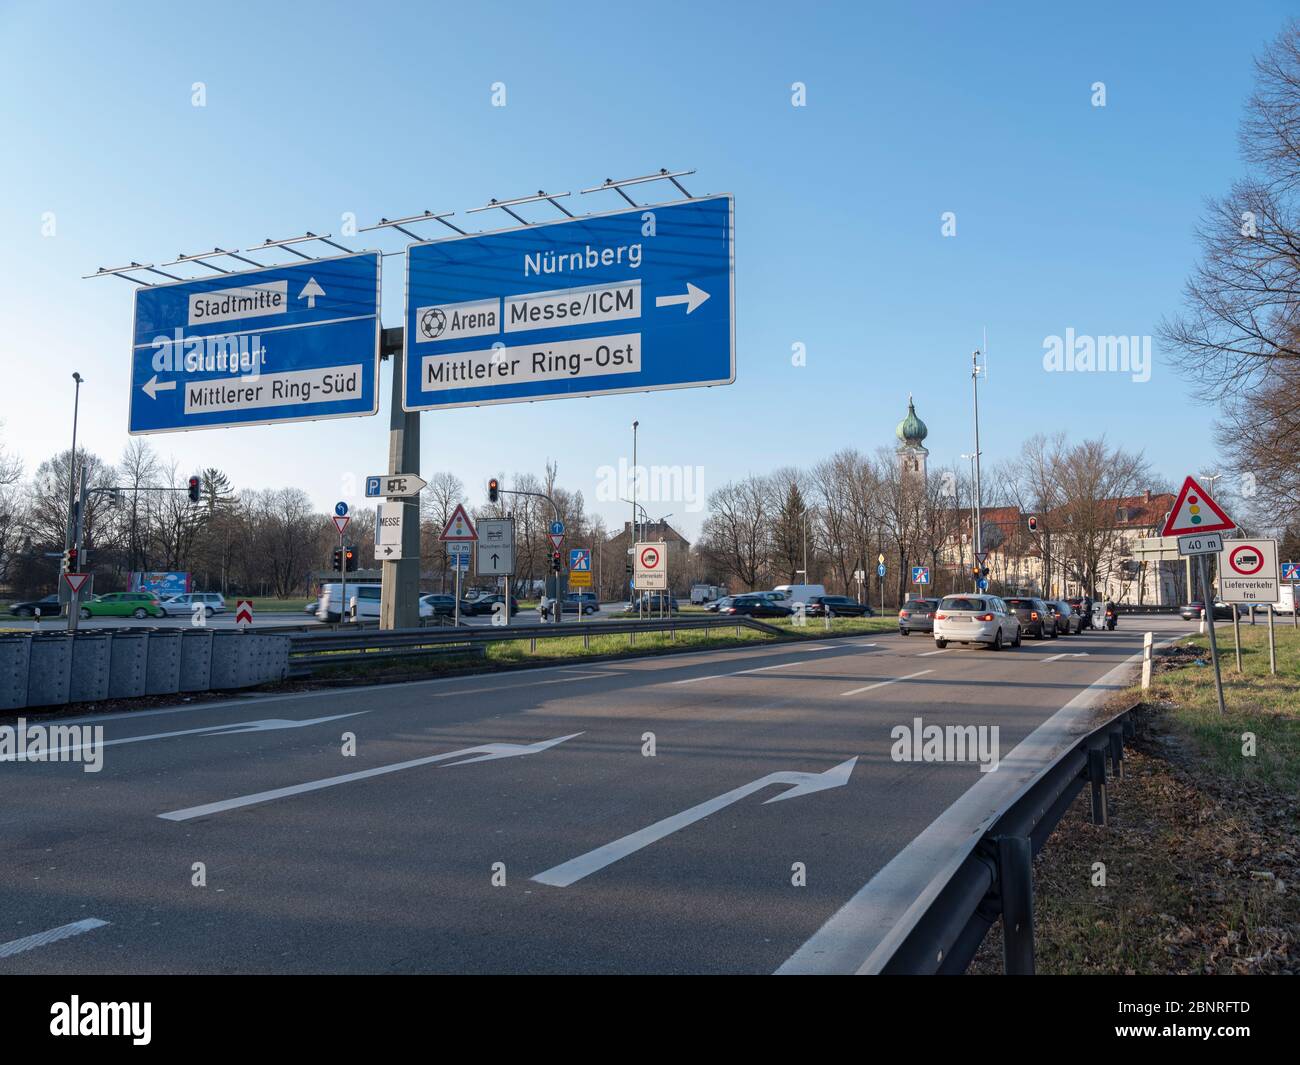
{"points": [[1202, 854]]}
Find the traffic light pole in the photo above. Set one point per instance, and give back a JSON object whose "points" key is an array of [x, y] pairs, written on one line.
{"points": [[559, 611]]}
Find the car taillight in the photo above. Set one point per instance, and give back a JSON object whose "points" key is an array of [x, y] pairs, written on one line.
{"points": [[1033, 615], [984, 617], [941, 617], [903, 614], [731, 610]]}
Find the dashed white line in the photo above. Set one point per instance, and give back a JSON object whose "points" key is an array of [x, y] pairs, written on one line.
{"points": [[881, 684], [737, 673], [52, 935], [927, 654]]}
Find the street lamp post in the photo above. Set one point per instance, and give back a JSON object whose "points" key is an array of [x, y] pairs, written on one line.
{"points": [[72, 464], [636, 484]]}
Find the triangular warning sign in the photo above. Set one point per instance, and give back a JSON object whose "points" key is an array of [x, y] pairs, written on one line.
{"points": [[1194, 511], [458, 526], [75, 581]]}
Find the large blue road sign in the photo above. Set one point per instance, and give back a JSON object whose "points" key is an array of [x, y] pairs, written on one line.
{"points": [[283, 344], [631, 301]]}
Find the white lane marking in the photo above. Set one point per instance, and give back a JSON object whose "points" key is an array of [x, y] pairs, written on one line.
{"points": [[892, 680], [485, 753], [862, 935], [927, 654], [270, 724], [737, 673], [1065, 654], [52, 935], [575, 869]]}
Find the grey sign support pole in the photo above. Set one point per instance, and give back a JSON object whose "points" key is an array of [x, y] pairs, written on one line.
{"points": [[1207, 603], [78, 538], [399, 606], [1272, 646]]}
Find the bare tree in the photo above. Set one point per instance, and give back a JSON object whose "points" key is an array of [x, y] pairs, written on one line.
{"points": [[734, 537]]}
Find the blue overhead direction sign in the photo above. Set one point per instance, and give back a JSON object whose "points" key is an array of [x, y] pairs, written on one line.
{"points": [[631, 301], [298, 342]]}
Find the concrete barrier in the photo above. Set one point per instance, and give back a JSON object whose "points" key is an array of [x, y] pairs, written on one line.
{"points": [[126, 672], [49, 671], [196, 660], [15, 654], [91, 658], [162, 674]]}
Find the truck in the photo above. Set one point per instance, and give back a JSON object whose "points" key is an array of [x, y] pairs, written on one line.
{"points": [[706, 593]]}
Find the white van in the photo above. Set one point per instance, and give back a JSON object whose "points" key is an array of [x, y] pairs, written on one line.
{"points": [[789, 594], [330, 607]]}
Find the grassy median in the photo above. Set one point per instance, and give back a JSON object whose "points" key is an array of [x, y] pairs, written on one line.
{"points": [[1202, 854], [551, 650]]}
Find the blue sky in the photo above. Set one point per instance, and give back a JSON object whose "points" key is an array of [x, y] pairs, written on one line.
{"points": [[1069, 216]]}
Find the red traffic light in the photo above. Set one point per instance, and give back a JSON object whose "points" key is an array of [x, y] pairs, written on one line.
{"points": [[494, 490], [194, 489]]}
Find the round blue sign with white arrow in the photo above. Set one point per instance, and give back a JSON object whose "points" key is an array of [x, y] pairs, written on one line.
{"points": [[880, 570], [341, 509], [557, 528]]}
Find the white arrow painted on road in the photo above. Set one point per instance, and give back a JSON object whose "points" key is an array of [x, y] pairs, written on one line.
{"points": [[310, 291], [269, 724], [1066, 654], [153, 386], [692, 297], [487, 752], [593, 861]]}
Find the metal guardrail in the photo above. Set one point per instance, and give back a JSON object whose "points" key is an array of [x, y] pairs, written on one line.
{"points": [[345, 645], [996, 879]]}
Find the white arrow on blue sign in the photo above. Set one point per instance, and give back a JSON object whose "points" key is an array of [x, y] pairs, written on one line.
{"points": [[880, 570], [282, 344], [341, 509], [557, 528], [580, 307]]}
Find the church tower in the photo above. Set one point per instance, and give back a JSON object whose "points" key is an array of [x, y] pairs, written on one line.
{"points": [[911, 452]]}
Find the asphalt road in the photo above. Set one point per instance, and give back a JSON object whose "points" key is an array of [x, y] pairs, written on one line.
{"points": [[392, 860]]}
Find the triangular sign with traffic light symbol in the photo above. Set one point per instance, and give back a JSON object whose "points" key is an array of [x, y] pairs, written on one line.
{"points": [[1195, 512], [458, 527]]}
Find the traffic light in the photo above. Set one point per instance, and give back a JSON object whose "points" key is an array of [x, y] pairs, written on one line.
{"points": [[975, 571], [984, 572], [494, 490], [1033, 523], [555, 562], [350, 558], [337, 562], [70, 560], [194, 489]]}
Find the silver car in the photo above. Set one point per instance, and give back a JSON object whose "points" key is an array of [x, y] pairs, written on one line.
{"points": [[975, 618], [917, 615], [211, 602]]}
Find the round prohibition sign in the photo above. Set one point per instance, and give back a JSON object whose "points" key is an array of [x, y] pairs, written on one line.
{"points": [[1252, 554], [650, 558]]}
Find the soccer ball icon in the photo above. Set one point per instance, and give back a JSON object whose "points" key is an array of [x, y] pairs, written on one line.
{"points": [[432, 323]]}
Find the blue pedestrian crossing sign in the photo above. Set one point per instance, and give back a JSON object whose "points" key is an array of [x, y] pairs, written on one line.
{"points": [[281, 344], [920, 574], [631, 301], [580, 560]]}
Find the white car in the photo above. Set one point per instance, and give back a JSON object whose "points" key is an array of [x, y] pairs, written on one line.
{"points": [[184, 604], [975, 618]]}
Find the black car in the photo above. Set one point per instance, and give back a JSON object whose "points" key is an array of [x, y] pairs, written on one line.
{"points": [[1195, 611], [917, 615], [49, 607], [1067, 621], [718, 604], [1036, 619], [838, 606], [486, 604], [755, 606], [442, 605]]}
